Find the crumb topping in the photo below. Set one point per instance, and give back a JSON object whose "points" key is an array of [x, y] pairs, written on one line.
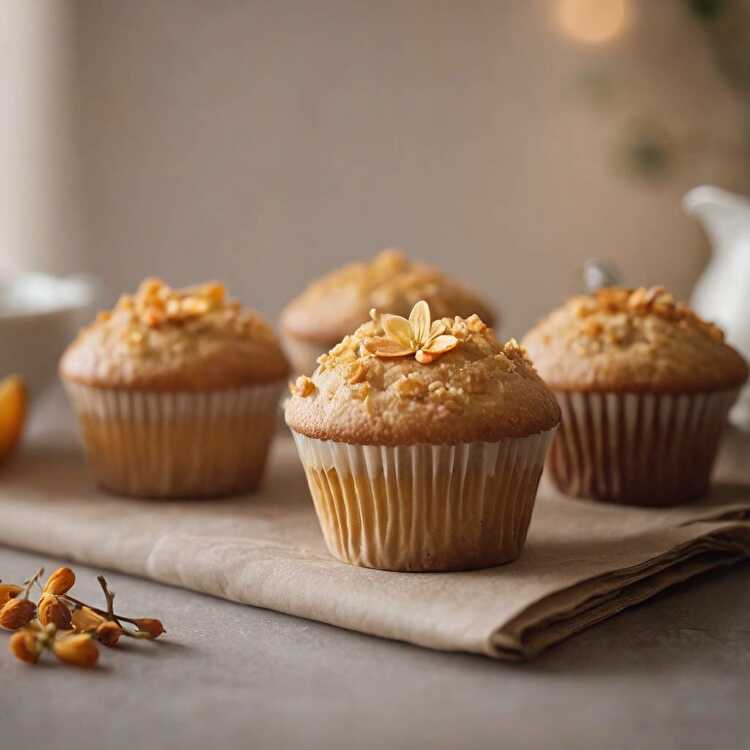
{"points": [[196, 335], [478, 388], [302, 387], [632, 339], [625, 305], [338, 302], [442, 381], [157, 306]]}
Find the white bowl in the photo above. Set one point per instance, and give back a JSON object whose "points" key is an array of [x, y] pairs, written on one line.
{"points": [[39, 316]]}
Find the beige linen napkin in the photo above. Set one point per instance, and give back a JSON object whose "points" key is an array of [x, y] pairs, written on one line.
{"points": [[583, 561]]}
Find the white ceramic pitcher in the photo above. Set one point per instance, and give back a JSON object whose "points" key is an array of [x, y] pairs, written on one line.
{"points": [[722, 294]]}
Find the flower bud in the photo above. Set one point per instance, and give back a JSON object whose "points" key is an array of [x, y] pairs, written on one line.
{"points": [[24, 645], [8, 591], [108, 633], [51, 609], [61, 581], [84, 618], [147, 625], [16, 613], [79, 650]]}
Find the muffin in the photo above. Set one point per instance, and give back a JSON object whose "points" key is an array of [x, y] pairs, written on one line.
{"points": [[176, 392], [645, 387], [423, 443], [336, 304]]}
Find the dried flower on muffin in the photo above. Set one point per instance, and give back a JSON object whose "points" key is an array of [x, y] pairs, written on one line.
{"points": [[418, 335]]}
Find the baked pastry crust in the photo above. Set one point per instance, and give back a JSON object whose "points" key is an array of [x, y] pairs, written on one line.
{"points": [[193, 339], [632, 341], [480, 390], [336, 304]]}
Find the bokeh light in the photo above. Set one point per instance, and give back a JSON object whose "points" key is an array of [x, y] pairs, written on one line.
{"points": [[593, 21]]}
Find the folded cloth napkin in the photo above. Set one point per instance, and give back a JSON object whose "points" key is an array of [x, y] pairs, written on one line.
{"points": [[583, 561]]}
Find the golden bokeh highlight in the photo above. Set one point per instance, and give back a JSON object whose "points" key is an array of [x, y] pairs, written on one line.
{"points": [[593, 21]]}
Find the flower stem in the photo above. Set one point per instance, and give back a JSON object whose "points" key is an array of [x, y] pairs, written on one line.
{"points": [[32, 581]]}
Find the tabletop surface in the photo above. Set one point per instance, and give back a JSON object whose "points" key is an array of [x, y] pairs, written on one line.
{"points": [[672, 673]]}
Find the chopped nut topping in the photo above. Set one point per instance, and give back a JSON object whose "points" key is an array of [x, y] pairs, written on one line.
{"points": [[642, 302], [303, 387], [449, 385], [505, 364], [356, 373], [393, 284], [475, 324], [361, 391], [411, 388], [157, 304]]}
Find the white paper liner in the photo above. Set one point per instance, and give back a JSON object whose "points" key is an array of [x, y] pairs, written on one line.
{"points": [[176, 444], [644, 449], [424, 507]]}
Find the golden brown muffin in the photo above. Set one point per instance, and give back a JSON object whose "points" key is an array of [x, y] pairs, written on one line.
{"points": [[423, 443], [336, 304], [191, 339], [176, 392], [645, 386]]}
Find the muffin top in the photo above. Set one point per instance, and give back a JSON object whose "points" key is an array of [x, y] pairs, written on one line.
{"points": [[175, 339], [403, 382], [336, 304], [632, 340]]}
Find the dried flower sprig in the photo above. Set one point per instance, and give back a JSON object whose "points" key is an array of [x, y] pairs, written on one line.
{"points": [[19, 611], [419, 335], [64, 625], [145, 627]]}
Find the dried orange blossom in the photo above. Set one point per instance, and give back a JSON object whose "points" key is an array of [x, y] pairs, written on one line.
{"points": [[8, 591], [12, 413], [85, 619], [418, 335], [24, 645], [17, 613], [149, 627], [79, 650], [146, 627], [41, 627], [108, 633], [20, 610], [52, 610]]}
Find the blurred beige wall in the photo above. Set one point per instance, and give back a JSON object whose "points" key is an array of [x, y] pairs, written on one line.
{"points": [[263, 142], [40, 190]]}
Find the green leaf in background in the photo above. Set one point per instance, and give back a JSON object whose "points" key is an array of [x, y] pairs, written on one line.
{"points": [[706, 10]]}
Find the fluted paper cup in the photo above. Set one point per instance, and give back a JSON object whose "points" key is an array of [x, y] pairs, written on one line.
{"points": [[176, 444], [641, 449], [424, 507]]}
